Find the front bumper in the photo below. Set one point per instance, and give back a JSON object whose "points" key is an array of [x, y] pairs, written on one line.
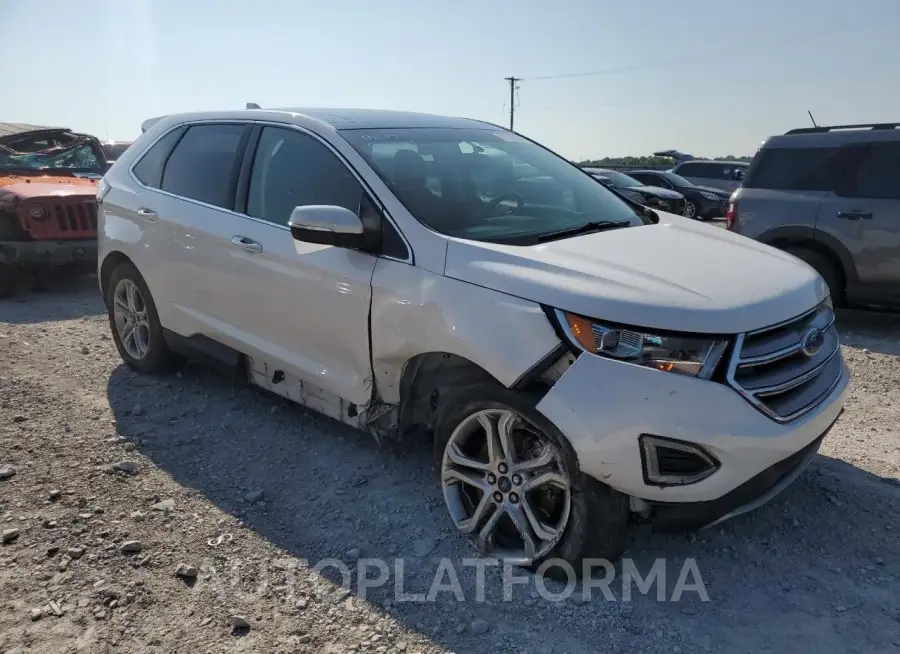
{"points": [[603, 406], [51, 252]]}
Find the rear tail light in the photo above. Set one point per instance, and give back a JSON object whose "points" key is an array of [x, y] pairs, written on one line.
{"points": [[731, 216]]}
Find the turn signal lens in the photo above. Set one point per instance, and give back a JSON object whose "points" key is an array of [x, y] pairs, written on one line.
{"points": [[583, 331]]}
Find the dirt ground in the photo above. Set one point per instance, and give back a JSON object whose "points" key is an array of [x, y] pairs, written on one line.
{"points": [[112, 483]]}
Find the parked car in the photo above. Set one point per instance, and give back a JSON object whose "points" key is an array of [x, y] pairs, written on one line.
{"points": [[703, 202], [48, 209], [649, 196], [830, 196], [725, 175], [114, 149], [580, 361]]}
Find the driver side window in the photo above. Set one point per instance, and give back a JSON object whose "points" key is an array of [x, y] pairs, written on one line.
{"points": [[291, 169]]}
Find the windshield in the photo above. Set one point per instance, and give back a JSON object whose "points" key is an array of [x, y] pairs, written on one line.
{"points": [[77, 157], [675, 180], [486, 184]]}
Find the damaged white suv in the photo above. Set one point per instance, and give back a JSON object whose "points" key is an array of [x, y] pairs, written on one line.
{"points": [[581, 361]]}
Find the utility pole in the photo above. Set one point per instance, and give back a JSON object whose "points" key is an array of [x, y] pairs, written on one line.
{"points": [[513, 87]]}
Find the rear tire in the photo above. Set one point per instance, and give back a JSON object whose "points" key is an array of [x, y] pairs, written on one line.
{"points": [[826, 268], [143, 348], [598, 518]]}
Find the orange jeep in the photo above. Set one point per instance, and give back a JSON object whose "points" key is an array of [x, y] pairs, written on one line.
{"points": [[48, 206]]}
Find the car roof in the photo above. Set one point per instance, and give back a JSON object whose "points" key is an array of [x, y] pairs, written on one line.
{"points": [[834, 136], [339, 119]]}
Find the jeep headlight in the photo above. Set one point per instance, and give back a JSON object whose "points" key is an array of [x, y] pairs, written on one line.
{"points": [[37, 211], [694, 356], [710, 196]]}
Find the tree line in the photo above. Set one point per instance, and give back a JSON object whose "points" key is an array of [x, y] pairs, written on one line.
{"points": [[646, 161]]}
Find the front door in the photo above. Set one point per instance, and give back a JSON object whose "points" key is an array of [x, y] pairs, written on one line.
{"points": [[300, 305]]}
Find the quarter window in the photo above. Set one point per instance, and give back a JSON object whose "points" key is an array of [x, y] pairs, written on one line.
{"points": [[205, 163], [150, 167], [291, 170], [792, 169]]}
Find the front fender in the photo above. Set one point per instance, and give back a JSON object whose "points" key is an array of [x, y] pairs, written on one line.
{"points": [[415, 311]]}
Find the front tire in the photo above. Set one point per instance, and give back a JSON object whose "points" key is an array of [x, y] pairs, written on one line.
{"points": [[134, 322], [512, 484]]}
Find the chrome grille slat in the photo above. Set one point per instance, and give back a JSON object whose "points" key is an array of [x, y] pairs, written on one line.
{"points": [[781, 375]]}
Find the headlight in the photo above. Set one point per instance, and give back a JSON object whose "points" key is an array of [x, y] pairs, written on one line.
{"points": [[685, 355], [37, 211], [710, 196]]}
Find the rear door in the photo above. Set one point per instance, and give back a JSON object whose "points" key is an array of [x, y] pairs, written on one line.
{"points": [[196, 219], [863, 213]]}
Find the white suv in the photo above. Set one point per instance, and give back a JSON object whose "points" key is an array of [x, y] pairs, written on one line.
{"points": [[581, 361]]}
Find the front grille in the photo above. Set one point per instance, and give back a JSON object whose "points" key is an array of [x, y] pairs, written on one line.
{"points": [[788, 369], [76, 218]]}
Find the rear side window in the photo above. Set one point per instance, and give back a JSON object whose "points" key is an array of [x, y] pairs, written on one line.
{"points": [[204, 165], [149, 168], [792, 169], [878, 174]]}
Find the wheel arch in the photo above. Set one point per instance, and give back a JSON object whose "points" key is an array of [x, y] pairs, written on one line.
{"points": [[817, 241], [429, 377], [110, 263]]}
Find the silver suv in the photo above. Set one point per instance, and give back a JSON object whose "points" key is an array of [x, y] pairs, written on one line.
{"points": [[725, 175], [830, 196]]}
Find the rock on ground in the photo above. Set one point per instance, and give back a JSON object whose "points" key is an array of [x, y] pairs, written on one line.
{"points": [[814, 570]]}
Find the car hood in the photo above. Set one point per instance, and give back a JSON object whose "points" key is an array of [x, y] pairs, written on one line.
{"points": [[656, 191], [27, 187], [677, 275]]}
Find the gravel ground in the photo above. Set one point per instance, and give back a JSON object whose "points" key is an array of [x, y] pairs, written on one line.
{"points": [[152, 514]]}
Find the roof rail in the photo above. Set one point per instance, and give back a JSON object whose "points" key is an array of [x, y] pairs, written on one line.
{"points": [[831, 128]]}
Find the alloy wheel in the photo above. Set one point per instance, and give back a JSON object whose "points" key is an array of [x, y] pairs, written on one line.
{"points": [[132, 321], [690, 210], [506, 486]]}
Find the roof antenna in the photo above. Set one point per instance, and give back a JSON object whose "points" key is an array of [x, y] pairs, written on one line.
{"points": [[811, 118], [252, 105]]}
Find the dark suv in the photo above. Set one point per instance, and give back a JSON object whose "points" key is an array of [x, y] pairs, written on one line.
{"points": [[830, 196]]}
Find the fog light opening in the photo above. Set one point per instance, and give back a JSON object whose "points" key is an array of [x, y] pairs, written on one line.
{"points": [[670, 462]]}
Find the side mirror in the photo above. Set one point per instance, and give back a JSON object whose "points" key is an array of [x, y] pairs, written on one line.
{"points": [[327, 225]]}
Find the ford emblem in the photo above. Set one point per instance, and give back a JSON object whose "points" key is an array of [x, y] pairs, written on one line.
{"points": [[812, 342]]}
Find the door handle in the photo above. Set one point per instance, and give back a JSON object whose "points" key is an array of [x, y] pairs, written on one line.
{"points": [[147, 214], [247, 244], [855, 215]]}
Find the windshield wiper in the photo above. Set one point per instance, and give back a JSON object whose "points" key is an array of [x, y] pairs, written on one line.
{"points": [[586, 228]]}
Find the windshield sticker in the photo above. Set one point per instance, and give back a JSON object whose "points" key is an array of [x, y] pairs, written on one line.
{"points": [[380, 137]]}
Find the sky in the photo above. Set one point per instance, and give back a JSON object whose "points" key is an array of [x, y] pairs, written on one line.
{"points": [[600, 77]]}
